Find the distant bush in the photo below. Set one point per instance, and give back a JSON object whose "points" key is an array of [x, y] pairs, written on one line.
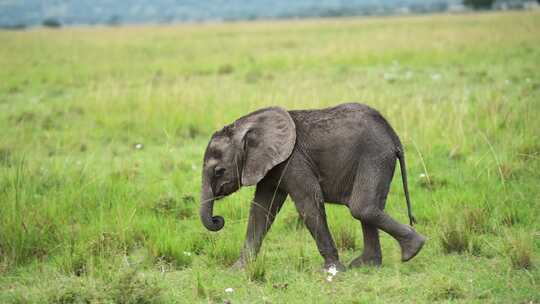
{"points": [[225, 69], [479, 4], [114, 20], [51, 22], [16, 26]]}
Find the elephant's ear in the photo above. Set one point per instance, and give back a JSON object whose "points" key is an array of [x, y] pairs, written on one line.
{"points": [[267, 137]]}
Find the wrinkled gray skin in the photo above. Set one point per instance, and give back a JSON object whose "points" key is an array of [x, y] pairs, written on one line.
{"points": [[345, 155]]}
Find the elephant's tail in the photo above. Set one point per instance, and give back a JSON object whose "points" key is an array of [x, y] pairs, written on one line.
{"points": [[401, 157]]}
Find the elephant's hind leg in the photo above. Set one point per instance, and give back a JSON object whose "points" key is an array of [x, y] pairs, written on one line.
{"points": [[367, 202], [371, 254]]}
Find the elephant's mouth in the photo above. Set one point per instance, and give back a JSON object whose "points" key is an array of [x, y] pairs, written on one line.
{"points": [[225, 188]]}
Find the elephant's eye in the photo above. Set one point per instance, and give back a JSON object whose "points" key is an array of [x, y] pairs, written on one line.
{"points": [[219, 171]]}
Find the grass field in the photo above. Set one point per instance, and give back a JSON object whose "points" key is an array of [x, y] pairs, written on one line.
{"points": [[104, 129]]}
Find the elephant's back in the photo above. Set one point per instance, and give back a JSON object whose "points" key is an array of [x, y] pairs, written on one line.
{"points": [[346, 124], [334, 140]]}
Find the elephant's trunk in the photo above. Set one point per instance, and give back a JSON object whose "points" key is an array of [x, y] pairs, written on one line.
{"points": [[212, 223]]}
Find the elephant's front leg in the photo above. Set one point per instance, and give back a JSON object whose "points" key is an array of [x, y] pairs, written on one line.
{"points": [[310, 206], [264, 208]]}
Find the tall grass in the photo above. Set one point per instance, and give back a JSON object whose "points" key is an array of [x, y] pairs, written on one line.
{"points": [[520, 250], [103, 132]]}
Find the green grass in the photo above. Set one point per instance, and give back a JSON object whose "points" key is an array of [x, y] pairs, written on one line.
{"points": [[87, 215]]}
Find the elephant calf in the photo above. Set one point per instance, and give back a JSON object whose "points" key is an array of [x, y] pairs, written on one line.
{"points": [[344, 155]]}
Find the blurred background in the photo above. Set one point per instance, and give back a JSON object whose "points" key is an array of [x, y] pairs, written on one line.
{"points": [[107, 106], [54, 13]]}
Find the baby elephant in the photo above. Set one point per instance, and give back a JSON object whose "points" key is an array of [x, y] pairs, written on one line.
{"points": [[345, 155]]}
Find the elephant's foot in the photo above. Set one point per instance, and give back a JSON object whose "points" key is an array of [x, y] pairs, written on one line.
{"points": [[411, 245], [334, 266], [366, 260]]}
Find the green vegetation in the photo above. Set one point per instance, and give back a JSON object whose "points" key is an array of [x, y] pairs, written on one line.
{"points": [[103, 132]]}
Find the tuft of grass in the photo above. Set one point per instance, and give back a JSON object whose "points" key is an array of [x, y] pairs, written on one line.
{"points": [[508, 171], [301, 260], [174, 251], [529, 152], [5, 157], [456, 238], [455, 154], [123, 286], [520, 250], [200, 289], [132, 287], [225, 69], [73, 291], [200, 241], [445, 289], [476, 219], [345, 237], [256, 269], [191, 131], [167, 205], [105, 243], [431, 182], [223, 251], [74, 263], [511, 216]]}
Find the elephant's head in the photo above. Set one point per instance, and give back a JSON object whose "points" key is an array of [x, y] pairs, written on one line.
{"points": [[241, 154]]}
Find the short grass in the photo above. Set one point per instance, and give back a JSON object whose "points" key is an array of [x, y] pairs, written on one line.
{"points": [[103, 132]]}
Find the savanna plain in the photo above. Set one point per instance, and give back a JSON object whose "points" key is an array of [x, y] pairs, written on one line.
{"points": [[103, 132]]}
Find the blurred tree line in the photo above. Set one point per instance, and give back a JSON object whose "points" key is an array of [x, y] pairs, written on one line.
{"points": [[19, 15], [479, 4]]}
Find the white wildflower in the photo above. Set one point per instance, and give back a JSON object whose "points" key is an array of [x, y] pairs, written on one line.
{"points": [[422, 175], [139, 146], [229, 290], [332, 270]]}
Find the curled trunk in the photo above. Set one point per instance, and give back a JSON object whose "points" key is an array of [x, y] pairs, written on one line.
{"points": [[211, 222]]}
